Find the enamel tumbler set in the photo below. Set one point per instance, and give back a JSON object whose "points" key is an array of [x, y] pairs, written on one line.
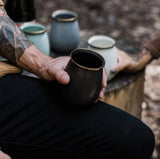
{"points": [[85, 66]]}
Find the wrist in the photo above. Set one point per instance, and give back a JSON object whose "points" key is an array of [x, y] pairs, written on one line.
{"points": [[147, 51], [145, 58], [33, 60]]}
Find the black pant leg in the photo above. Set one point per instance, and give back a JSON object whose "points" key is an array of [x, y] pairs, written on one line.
{"points": [[32, 115]]}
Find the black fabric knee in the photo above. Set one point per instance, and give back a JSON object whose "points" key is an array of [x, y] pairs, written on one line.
{"points": [[32, 116]]}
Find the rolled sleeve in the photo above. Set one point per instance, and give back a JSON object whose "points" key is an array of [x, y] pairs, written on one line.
{"points": [[154, 45]]}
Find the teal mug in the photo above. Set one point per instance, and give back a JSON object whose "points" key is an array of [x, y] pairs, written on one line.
{"points": [[37, 33]]}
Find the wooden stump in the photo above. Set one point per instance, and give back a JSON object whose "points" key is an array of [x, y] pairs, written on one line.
{"points": [[127, 96]]}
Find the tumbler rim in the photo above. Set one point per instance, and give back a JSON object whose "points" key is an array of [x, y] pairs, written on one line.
{"points": [[103, 36], [43, 28], [93, 53], [55, 13]]}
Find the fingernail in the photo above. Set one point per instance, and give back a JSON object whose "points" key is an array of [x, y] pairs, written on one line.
{"points": [[64, 78], [113, 71]]}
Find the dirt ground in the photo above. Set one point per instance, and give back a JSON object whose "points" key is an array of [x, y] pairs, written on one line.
{"points": [[136, 22]]}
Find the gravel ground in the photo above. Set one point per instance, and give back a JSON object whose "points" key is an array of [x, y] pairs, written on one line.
{"points": [[136, 22]]}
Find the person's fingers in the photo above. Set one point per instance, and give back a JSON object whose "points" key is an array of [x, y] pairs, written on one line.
{"points": [[121, 56], [96, 101], [54, 70], [123, 61], [101, 94], [104, 80], [104, 84], [62, 77], [119, 67]]}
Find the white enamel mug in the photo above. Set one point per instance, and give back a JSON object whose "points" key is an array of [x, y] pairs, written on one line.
{"points": [[106, 47]]}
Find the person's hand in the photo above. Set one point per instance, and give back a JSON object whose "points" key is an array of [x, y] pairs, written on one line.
{"points": [[129, 64], [3, 155], [48, 68], [53, 69]]}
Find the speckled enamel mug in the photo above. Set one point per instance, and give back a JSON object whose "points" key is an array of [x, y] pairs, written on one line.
{"points": [[106, 47], [38, 35]]}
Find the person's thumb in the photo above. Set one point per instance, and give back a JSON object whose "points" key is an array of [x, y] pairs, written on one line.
{"points": [[62, 77], [116, 69]]}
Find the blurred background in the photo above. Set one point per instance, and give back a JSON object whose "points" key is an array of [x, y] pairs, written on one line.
{"points": [[134, 21]]}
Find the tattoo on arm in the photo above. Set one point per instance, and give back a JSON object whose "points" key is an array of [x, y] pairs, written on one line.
{"points": [[13, 41]]}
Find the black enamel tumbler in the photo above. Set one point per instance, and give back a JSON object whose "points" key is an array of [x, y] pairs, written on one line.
{"points": [[85, 68], [21, 10]]}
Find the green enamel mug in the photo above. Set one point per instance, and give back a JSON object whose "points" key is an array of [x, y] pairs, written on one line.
{"points": [[37, 33]]}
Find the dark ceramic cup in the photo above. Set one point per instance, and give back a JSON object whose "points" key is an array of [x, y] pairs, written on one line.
{"points": [[86, 70]]}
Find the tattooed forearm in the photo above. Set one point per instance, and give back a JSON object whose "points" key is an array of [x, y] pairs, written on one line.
{"points": [[13, 42]]}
